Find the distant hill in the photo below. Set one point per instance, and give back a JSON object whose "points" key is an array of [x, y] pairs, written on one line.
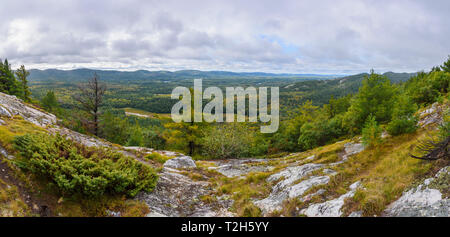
{"points": [[147, 90], [319, 91], [143, 75], [348, 82]]}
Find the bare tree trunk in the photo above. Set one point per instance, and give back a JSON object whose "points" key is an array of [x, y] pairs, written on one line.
{"points": [[434, 150], [90, 98]]}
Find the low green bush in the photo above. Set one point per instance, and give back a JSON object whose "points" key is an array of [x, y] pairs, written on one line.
{"points": [[76, 169], [401, 126], [371, 132], [155, 156]]}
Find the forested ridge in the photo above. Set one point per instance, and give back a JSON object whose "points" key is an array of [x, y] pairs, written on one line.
{"points": [[370, 112]]}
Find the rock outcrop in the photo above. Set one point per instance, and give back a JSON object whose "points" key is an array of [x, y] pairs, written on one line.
{"points": [[175, 193], [10, 106], [331, 208], [425, 199], [240, 167], [286, 188], [178, 195], [352, 148], [181, 162], [5, 153], [295, 183], [432, 115]]}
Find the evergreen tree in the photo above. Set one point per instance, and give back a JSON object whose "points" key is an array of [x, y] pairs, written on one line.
{"points": [[403, 119], [49, 102], [436, 69], [136, 137], [371, 132], [8, 83], [186, 133], [22, 75], [446, 66], [375, 97], [114, 128]]}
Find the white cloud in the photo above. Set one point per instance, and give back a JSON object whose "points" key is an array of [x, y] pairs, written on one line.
{"points": [[273, 36]]}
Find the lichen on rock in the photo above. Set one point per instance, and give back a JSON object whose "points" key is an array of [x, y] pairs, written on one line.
{"points": [[423, 200]]}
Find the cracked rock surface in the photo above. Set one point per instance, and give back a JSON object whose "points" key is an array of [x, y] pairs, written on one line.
{"points": [[424, 200]]}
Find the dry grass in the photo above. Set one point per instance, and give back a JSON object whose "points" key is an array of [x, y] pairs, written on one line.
{"points": [[386, 171], [243, 191], [155, 156], [11, 204], [16, 127]]}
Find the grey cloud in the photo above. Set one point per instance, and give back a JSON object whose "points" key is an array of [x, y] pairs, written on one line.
{"points": [[329, 36]]}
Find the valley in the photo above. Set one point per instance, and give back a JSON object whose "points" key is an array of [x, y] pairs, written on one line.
{"points": [[329, 158], [340, 179]]}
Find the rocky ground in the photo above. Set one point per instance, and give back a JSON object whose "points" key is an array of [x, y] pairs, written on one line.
{"points": [[178, 193], [424, 200]]}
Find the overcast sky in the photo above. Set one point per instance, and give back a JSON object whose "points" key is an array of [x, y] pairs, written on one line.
{"points": [[328, 37]]}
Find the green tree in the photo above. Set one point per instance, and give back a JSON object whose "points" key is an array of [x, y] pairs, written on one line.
{"points": [[375, 97], [22, 75], [337, 106], [436, 69], [8, 83], [426, 88], [50, 103], [114, 128], [444, 129], [153, 138], [371, 132], [185, 134], [228, 140], [320, 132], [286, 138], [136, 137], [403, 119], [446, 66]]}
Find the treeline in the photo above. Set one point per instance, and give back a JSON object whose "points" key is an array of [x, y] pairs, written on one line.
{"points": [[377, 103], [14, 82]]}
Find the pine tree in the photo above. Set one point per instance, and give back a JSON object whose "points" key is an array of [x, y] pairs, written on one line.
{"points": [[8, 83], [49, 102], [371, 132], [376, 96], [186, 133], [403, 119], [446, 66], [22, 75]]}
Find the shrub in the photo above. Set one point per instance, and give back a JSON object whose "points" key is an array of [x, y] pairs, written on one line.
{"points": [[155, 156], [403, 119], [444, 129], [320, 132], [401, 126], [375, 97], [227, 141], [426, 88], [76, 169], [250, 210], [371, 132]]}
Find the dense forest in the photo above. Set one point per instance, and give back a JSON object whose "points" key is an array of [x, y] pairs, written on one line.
{"points": [[314, 111], [150, 91], [379, 111]]}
